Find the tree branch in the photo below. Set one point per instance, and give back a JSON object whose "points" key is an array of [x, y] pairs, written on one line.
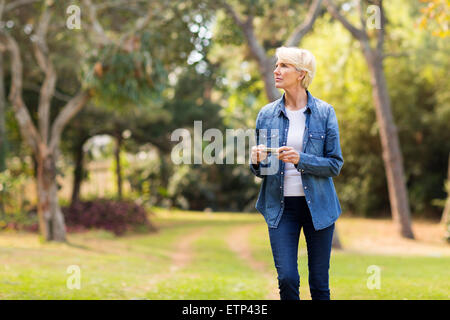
{"points": [[140, 24], [256, 49], [40, 50], [380, 33], [2, 9], [229, 9], [96, 26], [361, 16], [27, 128], [98, 30], [302, 29], [67, 113], [265, 63], [332, 9], [18, 3], [36, 88]]}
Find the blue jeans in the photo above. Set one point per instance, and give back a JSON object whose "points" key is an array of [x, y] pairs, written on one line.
{"points": [[284, 242]]}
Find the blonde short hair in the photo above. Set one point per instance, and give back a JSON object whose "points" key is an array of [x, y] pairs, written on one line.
{"points": [[301, 59]]}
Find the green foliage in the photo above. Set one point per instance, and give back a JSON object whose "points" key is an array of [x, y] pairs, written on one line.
{"points": [[418, 87], [15, 208], [224, 90], [419, 103], [147, 181], [217, 187], [119, 77], [230, 33]]}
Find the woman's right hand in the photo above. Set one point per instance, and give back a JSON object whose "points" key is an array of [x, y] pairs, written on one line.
{"points": [[258, 154]]}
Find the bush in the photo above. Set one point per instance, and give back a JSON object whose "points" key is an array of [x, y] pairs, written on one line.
{"points": [[115, 216], [15, 211], [21, 221]]}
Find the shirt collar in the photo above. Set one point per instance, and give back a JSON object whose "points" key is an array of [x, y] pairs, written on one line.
{"points": [[282, 109]]}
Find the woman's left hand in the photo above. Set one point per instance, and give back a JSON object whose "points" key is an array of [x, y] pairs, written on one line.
{"points": [[288, 154]]}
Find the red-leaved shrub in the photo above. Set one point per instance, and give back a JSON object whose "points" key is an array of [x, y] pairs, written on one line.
{"points": [[112, 215]]}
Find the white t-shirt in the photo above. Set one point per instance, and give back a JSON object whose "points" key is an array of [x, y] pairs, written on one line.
{"points": [[293, 185]]}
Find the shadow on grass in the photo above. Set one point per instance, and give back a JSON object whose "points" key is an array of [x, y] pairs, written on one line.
{"points": [[78, 246]]}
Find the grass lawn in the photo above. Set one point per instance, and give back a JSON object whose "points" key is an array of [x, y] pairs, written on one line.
{"points": [[197, 255]]}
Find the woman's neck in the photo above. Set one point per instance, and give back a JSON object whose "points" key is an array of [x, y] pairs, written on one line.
{"points": [[295, 100]]}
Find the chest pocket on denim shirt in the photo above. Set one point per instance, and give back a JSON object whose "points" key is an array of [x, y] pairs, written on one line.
{"points": [[316, 141]]}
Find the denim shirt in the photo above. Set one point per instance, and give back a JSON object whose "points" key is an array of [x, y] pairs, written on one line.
{"points": [[320, 160]]}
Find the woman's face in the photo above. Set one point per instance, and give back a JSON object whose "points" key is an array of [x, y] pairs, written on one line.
{"points": [[286, 76]]}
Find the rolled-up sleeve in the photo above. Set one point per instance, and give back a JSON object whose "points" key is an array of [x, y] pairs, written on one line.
{"points": [[330, 165]]}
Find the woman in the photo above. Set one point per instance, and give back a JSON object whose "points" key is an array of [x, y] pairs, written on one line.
{"points": [[297, 190]]}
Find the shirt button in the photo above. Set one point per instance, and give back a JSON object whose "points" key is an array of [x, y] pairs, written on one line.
{"points": [[281, 187], [322, 137], [309, 201], [310, 135], [282, 172], [306, 187]]}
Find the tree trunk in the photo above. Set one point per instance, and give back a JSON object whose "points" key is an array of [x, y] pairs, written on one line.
{"points": [[51, 219], [118, 167], [336, 243], [78, 173], [392, 156], [165, 176], [266, 71], [2, 118], [2, 134], [446, 213]]}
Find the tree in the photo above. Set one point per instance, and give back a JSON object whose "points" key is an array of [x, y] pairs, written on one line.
{"points": [[89, 122], [2, 116], [392, 156], [2, 120], [267, 62], [44, 139], [168, 21]]}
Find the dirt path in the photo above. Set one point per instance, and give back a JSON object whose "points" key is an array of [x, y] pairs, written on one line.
{"points": [[238, 242], [181, 257]]}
